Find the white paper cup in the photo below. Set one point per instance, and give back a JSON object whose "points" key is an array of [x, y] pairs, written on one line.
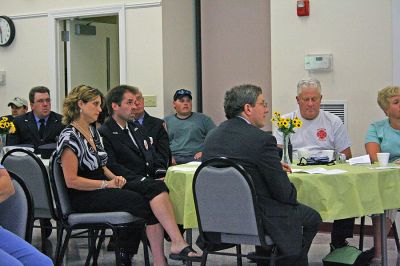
{"points": [[383, 158], [328, 153]]}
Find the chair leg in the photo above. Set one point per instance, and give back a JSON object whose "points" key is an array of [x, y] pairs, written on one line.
{"points": [[92, 236], [396, 237], [117, 247], [60, 232], [42, 236], [204, 258], [272, 259], [362, 227], [64, 247], [239, 255], [99, 244], [145, 248]]}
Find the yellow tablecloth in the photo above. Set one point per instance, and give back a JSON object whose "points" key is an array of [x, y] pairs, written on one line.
{"points": [[358, 192]]}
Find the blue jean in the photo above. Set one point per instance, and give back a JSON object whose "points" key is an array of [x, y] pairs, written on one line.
{"points": [[15, 251]]}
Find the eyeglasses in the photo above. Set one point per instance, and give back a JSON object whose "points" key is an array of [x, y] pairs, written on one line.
{"points": [[42, 101], [263, 104]]}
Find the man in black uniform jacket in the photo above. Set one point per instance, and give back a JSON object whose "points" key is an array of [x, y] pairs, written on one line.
{"points": [[290, 224], [41, 125], [151, 126]]}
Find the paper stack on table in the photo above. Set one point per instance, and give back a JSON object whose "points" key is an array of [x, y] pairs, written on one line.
{"points": [[319, 170], [360, 160]]}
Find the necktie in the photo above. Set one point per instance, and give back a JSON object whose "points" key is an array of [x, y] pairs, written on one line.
{"points": [[126, 131], [41, 128], [137, 123]]}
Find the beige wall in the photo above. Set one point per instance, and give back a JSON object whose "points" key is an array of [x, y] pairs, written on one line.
{"points": [[358, 33], [179, 50], [235, 50]]}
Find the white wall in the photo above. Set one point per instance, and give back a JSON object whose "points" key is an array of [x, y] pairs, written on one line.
{"points": [[359, 35], [144, 53], [27, 59]]}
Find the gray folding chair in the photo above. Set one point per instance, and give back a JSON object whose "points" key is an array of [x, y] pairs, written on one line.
{"points": [[32, 170], [94, 222], [225, 202], [16, 213]]}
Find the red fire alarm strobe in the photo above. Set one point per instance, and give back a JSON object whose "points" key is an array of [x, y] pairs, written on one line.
{"points": [[303, 8]]}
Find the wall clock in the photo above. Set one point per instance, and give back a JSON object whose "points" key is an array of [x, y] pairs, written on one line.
{"points": [[7, 31]]}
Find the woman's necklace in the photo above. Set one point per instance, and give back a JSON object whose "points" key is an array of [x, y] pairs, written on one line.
{"points": [[86, 133]]}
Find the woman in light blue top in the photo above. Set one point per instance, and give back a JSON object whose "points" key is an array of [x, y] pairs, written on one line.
{"points": [[384, 136]]}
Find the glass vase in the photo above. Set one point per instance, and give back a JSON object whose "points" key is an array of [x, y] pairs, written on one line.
{"points": [[2, 143], [285, 149]]}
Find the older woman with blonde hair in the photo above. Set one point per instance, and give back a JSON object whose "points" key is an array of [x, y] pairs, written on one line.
{"points": [[92, 187], [384, 136]]}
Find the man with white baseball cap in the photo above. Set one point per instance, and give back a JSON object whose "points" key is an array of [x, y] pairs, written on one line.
{"points": [[19, 106]]}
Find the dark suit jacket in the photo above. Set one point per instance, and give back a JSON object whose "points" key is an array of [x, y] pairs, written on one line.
{"points": [[27, 131], [153, 127], [124, 158], [256, 151]]}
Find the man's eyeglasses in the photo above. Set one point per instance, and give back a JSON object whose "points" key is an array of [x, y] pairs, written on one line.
{"points": [[42, 101]]}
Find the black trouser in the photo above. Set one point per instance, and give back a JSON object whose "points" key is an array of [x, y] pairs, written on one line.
{"points": [[310, 220], [111, 199]]}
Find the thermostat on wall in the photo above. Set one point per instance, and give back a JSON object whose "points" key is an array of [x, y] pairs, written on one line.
{"points": [[318, 62]]}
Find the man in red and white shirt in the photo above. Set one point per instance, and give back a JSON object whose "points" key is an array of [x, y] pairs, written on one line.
{"points": [[321, 130]]}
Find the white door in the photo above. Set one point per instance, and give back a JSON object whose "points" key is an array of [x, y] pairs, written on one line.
{"points": [[92, 53]]}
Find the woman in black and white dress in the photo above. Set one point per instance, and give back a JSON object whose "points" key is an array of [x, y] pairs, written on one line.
{"points": [[92, 187]]}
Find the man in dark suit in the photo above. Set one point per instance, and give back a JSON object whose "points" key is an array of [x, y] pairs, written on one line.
{"points": [[151, 126], [290, 224], [41, 125], [130, 154]]}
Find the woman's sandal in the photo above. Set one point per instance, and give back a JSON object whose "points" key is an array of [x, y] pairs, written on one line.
{"points": [[184, 255]]}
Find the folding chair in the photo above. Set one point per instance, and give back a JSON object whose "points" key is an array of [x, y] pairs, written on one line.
{"points": [[16, 213], [31, 169], [224, 195], [94, 222]]}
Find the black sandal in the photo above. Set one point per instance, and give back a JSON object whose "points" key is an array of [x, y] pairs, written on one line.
{"points": [[184, 255]]}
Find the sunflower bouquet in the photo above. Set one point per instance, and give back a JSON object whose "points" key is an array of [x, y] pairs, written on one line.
{"points": [[286, 125], [6, 127]]}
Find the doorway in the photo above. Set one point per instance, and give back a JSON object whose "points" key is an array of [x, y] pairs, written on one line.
{"points": [[91, 52], [62, 76]]}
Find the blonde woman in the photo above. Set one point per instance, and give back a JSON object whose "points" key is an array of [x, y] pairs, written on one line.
{"points": [[384, 136], [92, 187]]}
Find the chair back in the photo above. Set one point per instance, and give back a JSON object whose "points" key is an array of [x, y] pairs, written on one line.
{"points": [[31, 169], [16, 213], [61, 198], [225, 202]]}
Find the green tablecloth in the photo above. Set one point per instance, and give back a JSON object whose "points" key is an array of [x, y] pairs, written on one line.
{"points": [[358, 192]]}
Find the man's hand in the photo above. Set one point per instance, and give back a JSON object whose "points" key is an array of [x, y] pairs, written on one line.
{"points": [[198, 155], [286, 167]]}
